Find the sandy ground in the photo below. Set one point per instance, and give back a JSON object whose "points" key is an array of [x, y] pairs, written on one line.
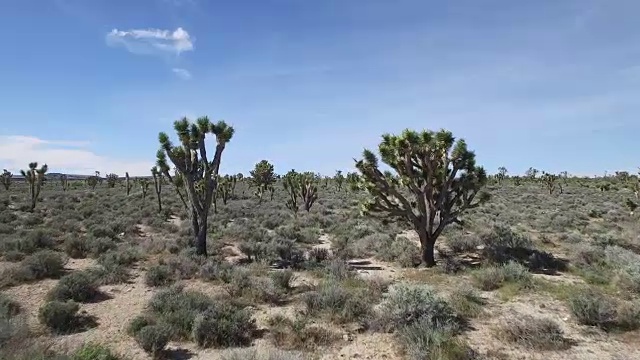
{"points": [[128, 300]]}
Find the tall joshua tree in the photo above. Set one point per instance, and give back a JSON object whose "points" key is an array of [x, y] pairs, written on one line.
{"points": [[435, 180], [127, 183], [144, 186], [34, 178], [225, 187], [157, 185], [6, 178], [197, 174], [262, 177], [502, 174], [551, 181], [290, 183], [64, 181], [339, 179], [112, 180]]}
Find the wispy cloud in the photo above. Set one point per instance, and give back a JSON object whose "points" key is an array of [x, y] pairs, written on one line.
{"points": [[63, 156], [152, 41], [183, 74]]}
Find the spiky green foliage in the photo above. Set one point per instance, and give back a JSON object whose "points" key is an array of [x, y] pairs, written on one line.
{"points": [[531, 173], [502, 174], [436, 179], [34, 177], [551, 182], [144, 186], [64, 182], [262, 177], [112, 180], [92, 181], [290, 183], [339, 179], [196, 175], [6, 178], [127, 183], [157, 185], [353, 180], [225, 187], [301, 187]]}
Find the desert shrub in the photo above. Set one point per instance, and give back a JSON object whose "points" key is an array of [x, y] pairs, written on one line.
{"points": [[91, 351], [342, 303], [8, 307], [100, 245], [185, 265], [493, 277], [459, 243], [153, 339], [502, 244], [159, 275], [466, 301], [43, 264], [338, 269], [406, 304], [290, 334], [59, 317], [120, 257], [318, 255], [628, 316], [78, 286], [223, 325], [627, 266], [217, 271], [178, 309], [110, 274], [29, 243], [534, 333], [76, 247], [401, 250], [137, 323], [14, 256], [421, 340], [282, 279], [593, 308]]}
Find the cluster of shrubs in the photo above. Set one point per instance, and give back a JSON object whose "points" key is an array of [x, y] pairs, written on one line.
{"points": [[175, 313]]}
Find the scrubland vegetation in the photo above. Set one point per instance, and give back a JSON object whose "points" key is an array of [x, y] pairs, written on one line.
{"points": [[432, 259]]}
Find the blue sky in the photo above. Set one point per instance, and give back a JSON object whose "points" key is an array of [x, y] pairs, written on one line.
{"points": [[88, 84]]}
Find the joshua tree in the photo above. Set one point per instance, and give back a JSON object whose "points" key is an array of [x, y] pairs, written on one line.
{"points": [[517, 180], [64, 181], [339, 178], [262, 177], [290, 182], [157, 185], [272, 190], [225, 187], [144, 186], [198, 176], [112, 180], [34, 178], [92, 181], [502, 174], [308, 189], [550, 180], [353, 179], [436, 179], [127, 183], [6, 178], [531, 173]]}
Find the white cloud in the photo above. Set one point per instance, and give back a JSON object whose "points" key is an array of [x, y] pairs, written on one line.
{"points": [[152, 41], [183, 74], [73, 157]]}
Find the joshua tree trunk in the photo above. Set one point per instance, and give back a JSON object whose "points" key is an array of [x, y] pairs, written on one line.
{"points": [[427, 248]]}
